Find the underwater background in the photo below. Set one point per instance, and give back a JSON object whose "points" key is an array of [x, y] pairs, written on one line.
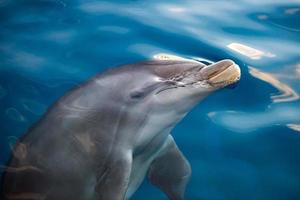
{"points": [[242, 142]]}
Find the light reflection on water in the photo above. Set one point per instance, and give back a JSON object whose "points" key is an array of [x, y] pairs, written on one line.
{"points": [[286, 92], [295, 127], [249, 51], [249, 122], [48, 47]]}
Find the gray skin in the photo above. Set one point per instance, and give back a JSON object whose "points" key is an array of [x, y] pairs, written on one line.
{"points": [[101, 139]]}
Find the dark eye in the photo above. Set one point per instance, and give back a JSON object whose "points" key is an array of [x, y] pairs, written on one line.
{"points": [[147, 89], [137, 94]]}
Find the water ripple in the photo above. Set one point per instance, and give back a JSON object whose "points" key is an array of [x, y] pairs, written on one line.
{"points": [[287, 92], [244, 122], [33, 106], [14, 114]]}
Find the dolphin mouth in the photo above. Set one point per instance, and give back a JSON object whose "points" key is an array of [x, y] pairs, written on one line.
{"points": [[221, 74]]}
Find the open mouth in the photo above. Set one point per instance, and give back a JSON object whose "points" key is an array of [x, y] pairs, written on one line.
{"points": [[222, 73]]}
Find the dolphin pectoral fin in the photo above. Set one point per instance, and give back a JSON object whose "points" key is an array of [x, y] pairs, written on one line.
{"points": [[112, 183], [170, 171]]}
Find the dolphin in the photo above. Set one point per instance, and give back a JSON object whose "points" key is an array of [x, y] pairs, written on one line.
{"points": [[102, 138]]}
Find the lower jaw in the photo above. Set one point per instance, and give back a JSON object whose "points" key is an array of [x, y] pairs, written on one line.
{"points": [[223, 83]]}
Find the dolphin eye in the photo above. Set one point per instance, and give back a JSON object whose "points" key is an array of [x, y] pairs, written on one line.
{"points": [[145, 90], [137, 94]]}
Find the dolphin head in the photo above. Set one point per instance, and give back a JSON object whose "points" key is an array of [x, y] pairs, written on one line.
{"points": [[164, 86]]}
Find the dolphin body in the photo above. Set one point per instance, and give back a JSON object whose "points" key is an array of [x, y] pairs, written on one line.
{"points": [[101, 139]]}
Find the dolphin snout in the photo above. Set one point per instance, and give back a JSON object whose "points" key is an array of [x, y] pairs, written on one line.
{"points": [[222, 73], [211, 70]]}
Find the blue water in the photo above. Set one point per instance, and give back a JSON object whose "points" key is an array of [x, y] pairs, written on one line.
{"points": [[242, 143]]}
